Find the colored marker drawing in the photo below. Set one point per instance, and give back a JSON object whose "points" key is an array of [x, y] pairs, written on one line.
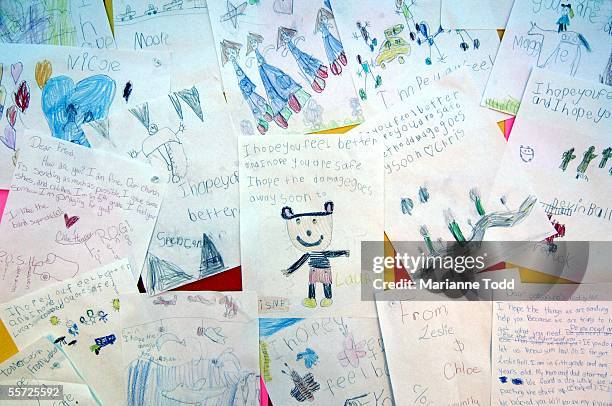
{"points": [[311, 233], [68, 106]]}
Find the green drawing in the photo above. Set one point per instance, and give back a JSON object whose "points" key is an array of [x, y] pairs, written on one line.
{"points": [[586, 160], [567, 157]]}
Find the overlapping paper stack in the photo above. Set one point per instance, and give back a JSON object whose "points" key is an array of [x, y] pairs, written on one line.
{"points": [[173, 140]]}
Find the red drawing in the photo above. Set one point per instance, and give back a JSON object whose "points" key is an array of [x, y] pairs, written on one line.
{"points": [[70, 221]]}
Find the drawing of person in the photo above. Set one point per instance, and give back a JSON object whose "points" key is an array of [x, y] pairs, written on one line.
{"points": [[281, 89], [259, 106], [566, 14], [312, 69], [403, 8], [73, 132], [333, 47], [587, 157]]}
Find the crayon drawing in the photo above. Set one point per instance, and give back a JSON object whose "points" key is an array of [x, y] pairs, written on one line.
{"points": [[291, 74]]}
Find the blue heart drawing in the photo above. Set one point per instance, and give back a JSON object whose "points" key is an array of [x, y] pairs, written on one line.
{"points": [[67, 107]]}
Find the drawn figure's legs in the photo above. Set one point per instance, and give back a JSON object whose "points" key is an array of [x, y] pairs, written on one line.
{"points": [[327, 290], [311, 300], [576, 62]]}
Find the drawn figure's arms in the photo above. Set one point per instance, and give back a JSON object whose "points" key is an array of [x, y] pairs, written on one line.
{"points": [[336, 254], [296, 265]]}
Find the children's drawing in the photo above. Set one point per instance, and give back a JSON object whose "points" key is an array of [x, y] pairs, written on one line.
{"points": [[313, 70], [559, 47], [526, 153], [486, 221], [43, 72], [364, 33], [333, 47], [428, 38], [187, 354], [311, 233], [211, 261], [162, 144], [305, 386], [309, 356], [70, 221], [284, 94], [127, 91], [283, 6], [464, 45], [351, 352], [262, 112], [587, 157], [163, 275], [132, 13], [21, 102], [37, 23], [366, 71], [393, 47], [233, 12], [68, 106], [191, 97], [566, 14], [404, 7]]}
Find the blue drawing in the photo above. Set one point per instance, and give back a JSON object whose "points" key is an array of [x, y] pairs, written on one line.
{"points": [[312, 69], [423, 194], [211, 261], [333, 47], [269, 327], [199, 381], [311, 233], [163, 275], [429, 39], [261, 110], [407, 205], [517, 381], [284, 94], [503, 379], [566, 13], [309, 356], [68, 106]]}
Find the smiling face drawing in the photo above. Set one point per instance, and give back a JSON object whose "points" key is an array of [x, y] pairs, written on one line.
{"points": [[526, 153], [310, 231]]}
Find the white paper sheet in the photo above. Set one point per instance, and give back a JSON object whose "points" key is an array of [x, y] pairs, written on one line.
{"points": [[82, 315], [437, 353], [571, 40], [190, 348], [72, 209], [283, 67], [390, 67], [443, 172], [185, 137], [476, 14], [306, 203], [41, 360], [561, 138], [551, 352], [59, 91], [81, 23], [182, 27], [325, 361]]}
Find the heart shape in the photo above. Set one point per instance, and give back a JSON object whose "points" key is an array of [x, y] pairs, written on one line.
{"points": [[428, 149], [70, 220], [9, 138], [16, 70], [68, 106]]}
